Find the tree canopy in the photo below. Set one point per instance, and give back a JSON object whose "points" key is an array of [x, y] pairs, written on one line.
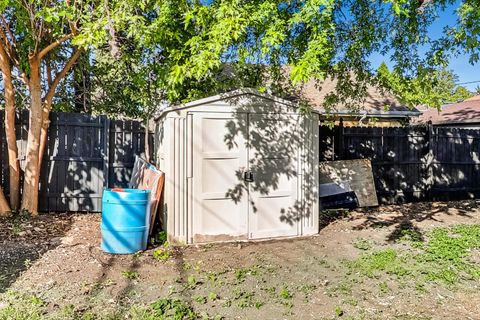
{"points": [[128, 56], [176, 50]]}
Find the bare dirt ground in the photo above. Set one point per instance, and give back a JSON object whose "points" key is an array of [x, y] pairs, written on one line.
{"points": [[328, 276]]}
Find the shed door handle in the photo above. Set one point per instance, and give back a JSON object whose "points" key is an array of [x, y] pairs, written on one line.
{"points": [[248, 176]]}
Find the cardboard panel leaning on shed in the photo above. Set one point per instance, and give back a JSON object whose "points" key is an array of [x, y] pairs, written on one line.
{"points": [[238, 166]]}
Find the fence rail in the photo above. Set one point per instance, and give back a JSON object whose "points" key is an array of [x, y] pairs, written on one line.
{"points": [[83, 155], [417, 163]]}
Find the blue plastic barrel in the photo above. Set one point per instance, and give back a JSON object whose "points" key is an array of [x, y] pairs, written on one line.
{"points": [[125, 220]]}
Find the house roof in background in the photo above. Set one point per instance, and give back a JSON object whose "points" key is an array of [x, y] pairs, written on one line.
{"points": [[374, 104], [467, 111], [474, 98]]}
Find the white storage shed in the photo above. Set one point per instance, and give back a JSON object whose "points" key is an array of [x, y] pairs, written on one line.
{"points": [[238, 166]]}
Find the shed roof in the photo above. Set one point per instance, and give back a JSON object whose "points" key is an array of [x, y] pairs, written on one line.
{"points": [[226, 96], [467, 111]]}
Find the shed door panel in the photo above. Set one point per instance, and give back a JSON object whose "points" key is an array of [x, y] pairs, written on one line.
{"points": [[274, 147], [220, 202]]}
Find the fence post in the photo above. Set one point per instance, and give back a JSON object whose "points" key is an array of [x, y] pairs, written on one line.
{"points": [[106, 152], [338, 147], [430, 158]]}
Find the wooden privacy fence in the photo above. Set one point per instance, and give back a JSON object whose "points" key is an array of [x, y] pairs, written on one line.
{"points": [[417, 163], [83, 155]]}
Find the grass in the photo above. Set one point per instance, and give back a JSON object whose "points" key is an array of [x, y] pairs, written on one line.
{"points": [[386, 260], [444, 257], [344, 288], [22, 307], [448, 252], [413, 236], [212, 296], [163, 253], [28, 307]]}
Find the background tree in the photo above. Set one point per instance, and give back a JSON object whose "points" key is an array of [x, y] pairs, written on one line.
{"points": [[460, 93], [477, 90], [434, 87]]}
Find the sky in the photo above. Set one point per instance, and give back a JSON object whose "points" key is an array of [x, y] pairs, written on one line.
{"points": [[460, 65]]}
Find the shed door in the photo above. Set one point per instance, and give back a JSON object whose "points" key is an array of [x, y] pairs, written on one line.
{"points": [[220, 201], [274, 148]]}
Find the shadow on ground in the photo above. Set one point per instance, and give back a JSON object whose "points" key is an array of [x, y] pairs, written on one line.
{"points": [[23, 240], [407, 216]]}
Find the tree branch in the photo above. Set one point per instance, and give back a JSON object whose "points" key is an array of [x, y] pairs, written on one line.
{"points": [[60, 75], [7, 28], [53, 45], [49, 72], [9, 49], [21, 77]]}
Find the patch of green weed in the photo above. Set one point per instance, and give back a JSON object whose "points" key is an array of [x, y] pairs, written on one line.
{"points": [[415, 237], [362, 244], [339, 311], [272, 291], [212, 296], [131, 275], [242, 273], [444, 258], [161, 238], [383, 287], [384, 260], [351, 301], [161, 254], [22, 307], [192, 282], [285, 293], [420, 287], [343, 287], [307, 289], [447, 253], [200, 299], [174, 309], [246, 299]]}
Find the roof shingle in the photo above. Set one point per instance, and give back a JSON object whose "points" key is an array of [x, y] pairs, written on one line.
{"points": [[467, 111]]}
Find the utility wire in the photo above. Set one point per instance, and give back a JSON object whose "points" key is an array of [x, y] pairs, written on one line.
{"points": [[469, 82]]}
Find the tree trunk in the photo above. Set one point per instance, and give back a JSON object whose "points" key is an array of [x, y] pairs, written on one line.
{"points": [[32, 170], [147, 141], [4, 208], [13, 163], [44, 131]]}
